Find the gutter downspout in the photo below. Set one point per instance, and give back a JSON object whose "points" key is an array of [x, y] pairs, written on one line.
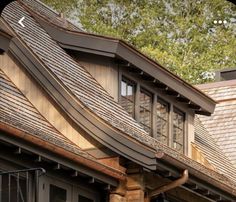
{"points": [[183, 179]]}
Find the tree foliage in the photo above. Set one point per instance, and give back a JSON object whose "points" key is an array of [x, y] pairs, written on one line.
{"points": [[181, 35]]}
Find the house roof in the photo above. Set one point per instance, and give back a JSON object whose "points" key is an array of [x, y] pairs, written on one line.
{"points": [[212, 152], [75, 39], [89, 106], [17, 114], [221, 125]]}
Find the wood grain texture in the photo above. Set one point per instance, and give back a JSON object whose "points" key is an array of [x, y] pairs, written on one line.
{"points": [[103, 69], [41, 102], [17, 112]]}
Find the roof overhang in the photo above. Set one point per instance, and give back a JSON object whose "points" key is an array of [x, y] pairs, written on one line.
{"points": [[45, 152], [110, 47]]}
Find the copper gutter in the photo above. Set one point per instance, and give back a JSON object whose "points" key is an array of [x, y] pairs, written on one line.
{"points": [[183, 179], [210, 179], [92, 164]]}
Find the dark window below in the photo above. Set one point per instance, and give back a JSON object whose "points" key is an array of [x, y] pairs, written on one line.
{"points": [[178, 130], [127, 96], [145, 110], [162, 117], [13, 188], [57, 194], [84, 199]]}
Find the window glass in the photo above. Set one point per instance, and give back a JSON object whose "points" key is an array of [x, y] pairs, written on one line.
{"points": [[84, 199], [145, 110], [13, 187], [178, 130], [127, 96], [162, 124], [57, 194]]}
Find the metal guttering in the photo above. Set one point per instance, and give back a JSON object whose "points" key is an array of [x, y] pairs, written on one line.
{"points": [[90, 123], [112, 47], [212, 182]]}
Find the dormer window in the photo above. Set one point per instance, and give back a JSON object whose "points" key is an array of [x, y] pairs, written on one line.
{"points": [[145, 110], [162, 121], [127, 96], [159, 118], [178, 130]]}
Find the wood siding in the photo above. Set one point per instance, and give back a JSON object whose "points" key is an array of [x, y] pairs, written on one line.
{"points": [[103, 69], [198, 156], [34, 93]]}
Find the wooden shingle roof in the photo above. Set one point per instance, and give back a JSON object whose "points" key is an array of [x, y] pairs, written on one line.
{"points": [[89, 106], [221, 125], [212, 152]]}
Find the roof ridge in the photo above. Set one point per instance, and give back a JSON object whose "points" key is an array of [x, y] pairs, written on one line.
{"points": [[217, 84], [33, 9]]}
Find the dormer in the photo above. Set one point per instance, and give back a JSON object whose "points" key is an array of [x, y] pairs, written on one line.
{"points": [[162, 103]]}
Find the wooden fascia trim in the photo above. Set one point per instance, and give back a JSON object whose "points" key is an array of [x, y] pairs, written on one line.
{"points": [[62, 152]]}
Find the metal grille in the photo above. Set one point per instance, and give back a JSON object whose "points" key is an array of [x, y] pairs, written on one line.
{"points": [[17, 185]]}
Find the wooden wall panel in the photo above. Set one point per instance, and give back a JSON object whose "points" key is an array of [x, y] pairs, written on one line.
{"points": [[199, 157], [103, 69], [41, 101]]}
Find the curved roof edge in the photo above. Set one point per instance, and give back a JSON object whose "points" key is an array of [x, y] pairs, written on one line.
{"points": [[3, 4], [83, 117], [5, 39]]}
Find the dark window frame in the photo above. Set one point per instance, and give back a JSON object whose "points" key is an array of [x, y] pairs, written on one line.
{"points": [[156, 97], [148, 93], [167, 104], [183, 114], [133, 84]]}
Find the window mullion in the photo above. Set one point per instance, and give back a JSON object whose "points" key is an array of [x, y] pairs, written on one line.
{"points": [[137, 103], [170, 138], [154, 116]]}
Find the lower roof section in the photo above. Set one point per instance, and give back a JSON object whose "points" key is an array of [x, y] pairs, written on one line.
{"points": [[19, 119]]}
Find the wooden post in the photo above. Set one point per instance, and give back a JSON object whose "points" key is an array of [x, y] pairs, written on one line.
{"points": [[118, 194], [135, 188]]}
